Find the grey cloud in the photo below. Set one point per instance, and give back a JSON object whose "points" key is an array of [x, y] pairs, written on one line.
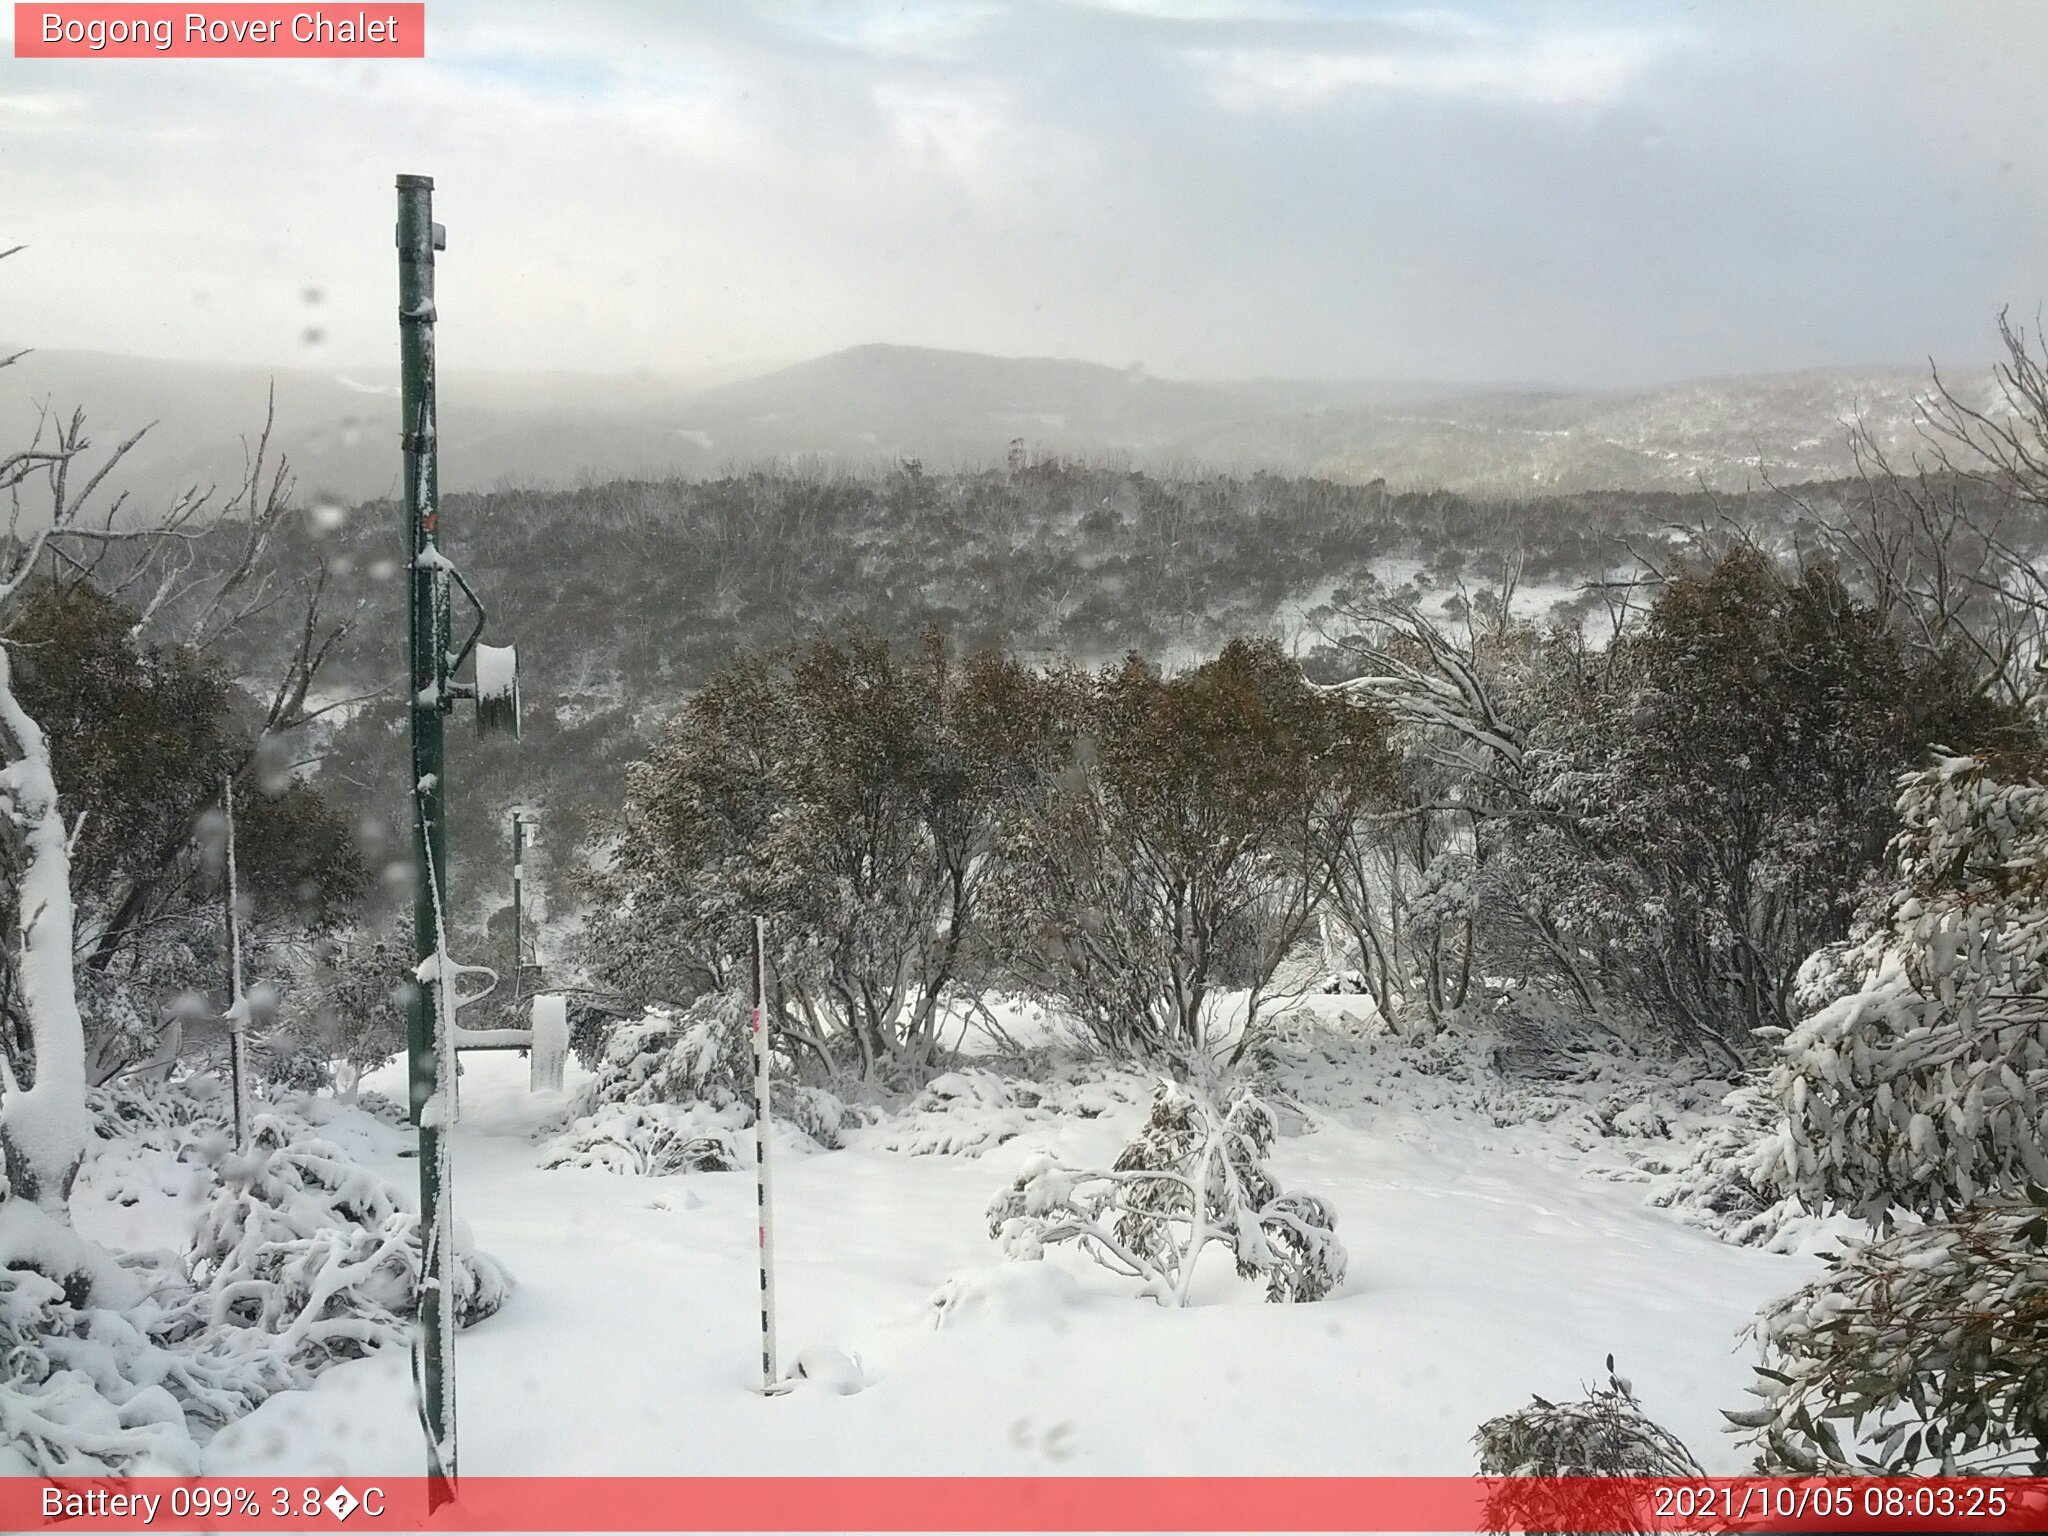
{"points": [[1596, 193]]}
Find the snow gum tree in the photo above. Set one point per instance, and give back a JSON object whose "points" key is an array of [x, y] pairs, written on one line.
{"points": [[140, 733], [44, 1130], [1188, 843], [1709, 794], [848, 793], [1662, 829], [43, 1125]]}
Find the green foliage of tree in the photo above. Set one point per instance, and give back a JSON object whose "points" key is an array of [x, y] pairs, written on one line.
{"points": [[1916, 1095], [1701, 802], [142, 737], [1188, 843], [846, 792]]}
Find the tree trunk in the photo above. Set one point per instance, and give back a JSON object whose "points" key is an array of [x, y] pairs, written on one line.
{"points": [[43, 1128]]}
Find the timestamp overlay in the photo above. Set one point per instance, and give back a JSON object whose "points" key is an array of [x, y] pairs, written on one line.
{"points": [[1448, 1504]]}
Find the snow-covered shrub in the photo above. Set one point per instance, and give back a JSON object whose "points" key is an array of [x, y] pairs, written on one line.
{"points": [[138, 1104], [1727, 1183], [1924, 1351], [674, 1093], [1926, 1085], [701, 1055], [1185, 846], [59, 1418], [1604, 1435], [655, 1139], [1194, 1175], [1917, 1098], [79, 1389], [848, 791], [312, 1256], [973, 1110], [346, 1015], [818, 1113]]}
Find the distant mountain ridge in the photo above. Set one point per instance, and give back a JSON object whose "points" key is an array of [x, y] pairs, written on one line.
{"points": [[878, 404]]}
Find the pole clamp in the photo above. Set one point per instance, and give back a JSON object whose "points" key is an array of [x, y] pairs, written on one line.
{"points": [[407, 255]]}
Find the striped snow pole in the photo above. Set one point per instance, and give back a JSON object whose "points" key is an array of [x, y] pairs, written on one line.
{"points": [[763, 1133]]}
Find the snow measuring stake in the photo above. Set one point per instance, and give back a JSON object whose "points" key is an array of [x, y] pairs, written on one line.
{"points": [[430, 1025], [757, 990]]}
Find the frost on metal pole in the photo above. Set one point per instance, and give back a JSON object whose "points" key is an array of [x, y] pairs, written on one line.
{"points": [[757, 975], [433, 584], [428, 1048]]}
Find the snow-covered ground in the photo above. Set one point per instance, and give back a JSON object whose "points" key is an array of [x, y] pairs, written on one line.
{"points": [[1486, 1264]]}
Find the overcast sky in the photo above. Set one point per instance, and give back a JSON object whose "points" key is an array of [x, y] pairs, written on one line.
{"points": [[1573, 193]]}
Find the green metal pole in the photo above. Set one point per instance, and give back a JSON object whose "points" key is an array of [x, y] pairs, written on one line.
{"points": [[427, 1047]]}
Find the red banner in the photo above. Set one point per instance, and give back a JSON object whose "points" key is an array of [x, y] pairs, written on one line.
{"points": [[922, 1504], [374, 31]]}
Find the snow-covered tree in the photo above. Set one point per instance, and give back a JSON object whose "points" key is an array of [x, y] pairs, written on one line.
{"points": [[846, 792], [140, 733], [346, 1011], [1662, 829], [1187, 846], [1916, 1095], [1924, 1083]]}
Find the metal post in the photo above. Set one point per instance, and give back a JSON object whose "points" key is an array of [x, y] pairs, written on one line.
{"points": [[763, 1134], [238, 1012], [427, 1040]]}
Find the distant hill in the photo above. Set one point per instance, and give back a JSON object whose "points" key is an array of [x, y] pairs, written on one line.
{"points": [[879, 404]]}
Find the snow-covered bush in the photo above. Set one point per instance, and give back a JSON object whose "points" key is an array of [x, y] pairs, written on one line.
{"points": [[1185, 847], [848, 792], [1727, 1181], [1917, 1098], [313, 1256], [1926, 1085], [1924, 1351], [139, 1104], [1604, 1435], [58, 1419], [699, 1055], [673, 1093], [80, 1389], [654, 1139], [347, 1013], [972, 1110], [1194, 1175]]}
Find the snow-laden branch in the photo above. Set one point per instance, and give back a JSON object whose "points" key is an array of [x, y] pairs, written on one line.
{"points": [[44, 1130], [1424, 679]]}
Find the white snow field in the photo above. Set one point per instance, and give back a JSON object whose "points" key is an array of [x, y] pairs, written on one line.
{"points": [[1488, 1262]]}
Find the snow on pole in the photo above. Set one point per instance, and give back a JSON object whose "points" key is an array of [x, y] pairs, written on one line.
{"points": [[497, 688], [429, 1025], [238, 1003], [550, 1041], [763, 1133]]}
